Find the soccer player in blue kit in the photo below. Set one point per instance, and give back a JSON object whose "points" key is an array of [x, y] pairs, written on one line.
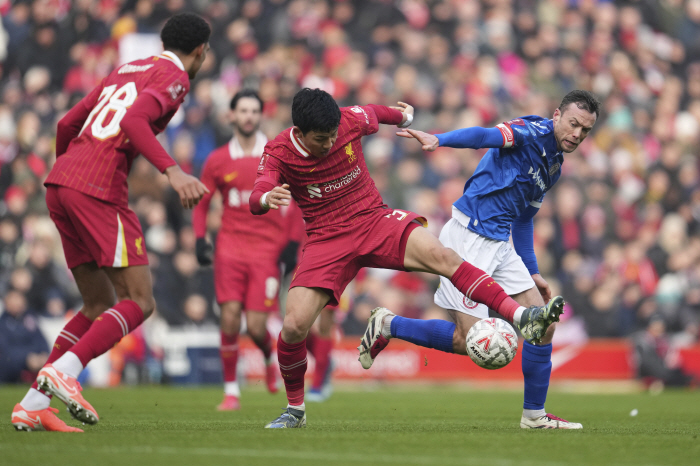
{"points": [[502, 196]]}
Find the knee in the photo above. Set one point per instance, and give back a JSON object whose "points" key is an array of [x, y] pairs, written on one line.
{"points": [[257, 332], [446, 260], [147, 305], [93, 309], [294, 330]]}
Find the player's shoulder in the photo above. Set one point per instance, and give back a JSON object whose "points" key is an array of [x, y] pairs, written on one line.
{"points": [[531, 126], [218, 155], [280, 143]]}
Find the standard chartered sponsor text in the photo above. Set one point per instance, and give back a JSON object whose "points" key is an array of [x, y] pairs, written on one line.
{"points": [[340, 182]]}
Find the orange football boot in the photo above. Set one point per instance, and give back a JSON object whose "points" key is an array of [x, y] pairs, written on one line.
{"points": [[43, 419], [67, 389]]}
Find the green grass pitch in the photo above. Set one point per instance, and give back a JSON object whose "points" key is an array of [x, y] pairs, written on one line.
{"points": [[384, 425]]}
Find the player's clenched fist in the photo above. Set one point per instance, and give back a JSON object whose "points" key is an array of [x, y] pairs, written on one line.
{"points": [[279, 196], [188, 187]]}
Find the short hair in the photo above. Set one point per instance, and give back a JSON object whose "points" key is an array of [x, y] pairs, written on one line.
{"points": [[249, 93], [584, 100], [315, 110], [185, 32]]}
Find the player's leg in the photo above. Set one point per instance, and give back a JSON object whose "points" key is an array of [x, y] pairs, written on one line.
{"points": [[257, 330], [321, 349], [426, 253], [303, 306], [537, 370], [228, 351], [98, 295], [135, 303]]}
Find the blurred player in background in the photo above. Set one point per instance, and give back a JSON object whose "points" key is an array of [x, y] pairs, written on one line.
{"points": [[248, 248], [319, 162], [503, 195], [87, 196], [319, 343]]}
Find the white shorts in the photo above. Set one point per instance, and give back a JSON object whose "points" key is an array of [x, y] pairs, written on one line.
{"points": [[497, 258]]}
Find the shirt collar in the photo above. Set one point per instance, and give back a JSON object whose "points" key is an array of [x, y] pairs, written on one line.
{"points": [[297, 144], [168, 55]]}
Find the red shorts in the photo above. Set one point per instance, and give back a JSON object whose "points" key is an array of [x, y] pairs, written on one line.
{"points": [[256, 284], [377, 240], [95, 230]]}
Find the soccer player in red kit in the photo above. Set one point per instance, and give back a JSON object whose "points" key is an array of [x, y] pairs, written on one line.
{"points": [[319, 162], [96, 143], [248, 248]]}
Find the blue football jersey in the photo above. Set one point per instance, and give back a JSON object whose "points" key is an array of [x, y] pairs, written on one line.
{"points": [[510, 178]]}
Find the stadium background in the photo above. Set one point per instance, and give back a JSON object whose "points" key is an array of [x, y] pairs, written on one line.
{"points": [[617, 236]]}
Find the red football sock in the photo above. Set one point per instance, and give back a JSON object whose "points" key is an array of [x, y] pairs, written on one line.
{"points": [[323, 360], [265, 345], [69, 336], [479, 286], [292, 360], [311, 343], [107, 330], [229, 356]]}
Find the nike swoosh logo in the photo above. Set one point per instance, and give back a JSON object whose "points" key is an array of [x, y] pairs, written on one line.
{"points": [[308, 171], [25, 417], [230, 176]]}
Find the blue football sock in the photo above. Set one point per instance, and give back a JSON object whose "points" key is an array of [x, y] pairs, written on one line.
{"points": [[434, 333], [537, 367]]}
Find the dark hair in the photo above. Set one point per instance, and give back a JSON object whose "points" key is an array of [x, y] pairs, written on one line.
{"points": [[584, 100], [315, 110], [185, 32], [249, 93]]}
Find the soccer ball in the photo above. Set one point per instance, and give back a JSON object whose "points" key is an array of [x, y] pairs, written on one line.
{"points": [[492, 343]]}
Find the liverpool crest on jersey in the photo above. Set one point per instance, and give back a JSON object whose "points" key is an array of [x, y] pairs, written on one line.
{"points": [[350, 153]]}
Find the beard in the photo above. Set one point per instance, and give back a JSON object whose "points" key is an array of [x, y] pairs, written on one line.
{"points": [[247, 133]]}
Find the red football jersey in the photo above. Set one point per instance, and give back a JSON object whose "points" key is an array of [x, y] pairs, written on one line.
{"points": [[98, 161], [335, 189], [242, 234]]}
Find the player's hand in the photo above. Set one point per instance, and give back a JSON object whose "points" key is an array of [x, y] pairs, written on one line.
{"points": [[188, 187], [543, 287], [279, 196], [203, 250], [403, 107], [429, 141]]}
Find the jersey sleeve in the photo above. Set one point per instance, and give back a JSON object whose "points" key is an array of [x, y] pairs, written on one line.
{"points": [[269, 175], [515, 133], [169, 87], [365, 117]]}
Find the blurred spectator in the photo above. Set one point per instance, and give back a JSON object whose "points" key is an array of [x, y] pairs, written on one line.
{"points": [[656, 359], [23, 349]]}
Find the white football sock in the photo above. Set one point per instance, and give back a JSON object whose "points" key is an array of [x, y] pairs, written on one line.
{"points": [[301, 407], [386, 326], [69, 364], [232, 388], [34, 400], [518, 314], [534, 413]]}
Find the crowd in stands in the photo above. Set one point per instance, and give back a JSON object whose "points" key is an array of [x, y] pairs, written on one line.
{"points": [[618, 237]]}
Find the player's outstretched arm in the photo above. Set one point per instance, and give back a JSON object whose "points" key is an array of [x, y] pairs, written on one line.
{"points": [[465, 138], [429, 141]]}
